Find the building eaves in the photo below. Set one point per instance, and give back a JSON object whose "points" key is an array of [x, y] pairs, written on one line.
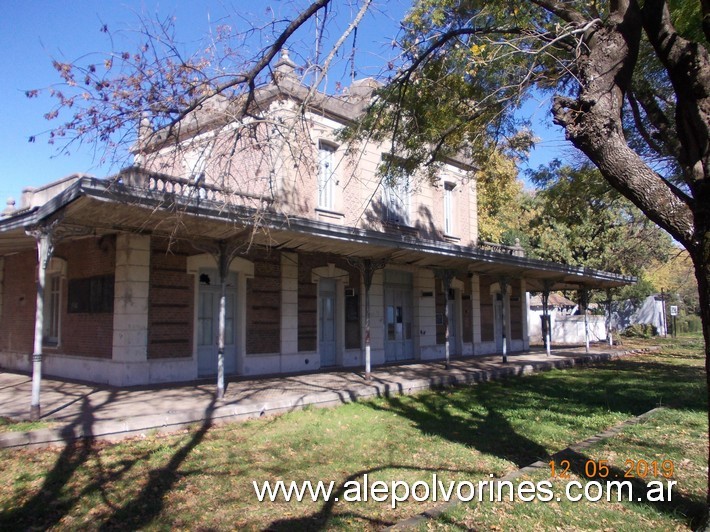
{"points": [[296, 232]]}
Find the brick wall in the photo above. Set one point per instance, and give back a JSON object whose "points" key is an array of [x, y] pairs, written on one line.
{"points": [[263, 304], [170, 311], [308, 302], [440, 304], [87, 333], [354, 322], [466, 314], [81, 333], [516, 311], [17, 322]]}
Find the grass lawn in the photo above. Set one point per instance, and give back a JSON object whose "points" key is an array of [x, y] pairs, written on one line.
{"points": [[202, 478], [11, 425]]}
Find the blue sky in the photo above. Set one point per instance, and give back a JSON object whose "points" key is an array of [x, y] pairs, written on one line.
{"points": [[32, 32]]}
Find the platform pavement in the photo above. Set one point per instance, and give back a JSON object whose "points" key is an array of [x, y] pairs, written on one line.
{"points": [[85, 410]]}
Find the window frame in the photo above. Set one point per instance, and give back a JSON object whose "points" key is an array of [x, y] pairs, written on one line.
{"points": [[54, 278], [397, 187], [449, 208], [327, 178]]}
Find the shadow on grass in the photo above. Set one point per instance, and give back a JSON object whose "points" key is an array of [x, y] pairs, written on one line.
{"points": [[53, 501], [449, 415], [320, 520], [627, 386], [148, 504], [50, 503], [478, 416], [678, 504]]}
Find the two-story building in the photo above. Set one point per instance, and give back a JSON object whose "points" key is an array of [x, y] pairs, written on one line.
{"points": [[323, 260]]}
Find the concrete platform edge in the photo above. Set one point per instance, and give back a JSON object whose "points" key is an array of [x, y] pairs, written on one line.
{"points": [[231, 412]]}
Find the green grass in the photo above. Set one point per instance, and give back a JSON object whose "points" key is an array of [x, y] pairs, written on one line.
{"points": [[10, 425], [667, 436], [201, 478]]}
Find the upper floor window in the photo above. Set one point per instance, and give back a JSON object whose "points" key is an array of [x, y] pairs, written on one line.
{"points": [[196, 158], [326, 176], [397, 200], [397, 185], [449, 208]]}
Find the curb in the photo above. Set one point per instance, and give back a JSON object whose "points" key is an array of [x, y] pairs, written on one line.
{"points": [[172, 421]]}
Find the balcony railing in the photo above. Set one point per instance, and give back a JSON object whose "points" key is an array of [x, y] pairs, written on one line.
{"points": [[189, 189], [516, 250]]}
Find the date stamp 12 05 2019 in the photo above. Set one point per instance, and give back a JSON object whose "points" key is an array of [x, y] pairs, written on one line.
{"points": [[640, 469]]}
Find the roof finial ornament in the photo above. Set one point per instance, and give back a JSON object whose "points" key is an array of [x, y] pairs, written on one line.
{"points": [[10, 209], [285, 65]]}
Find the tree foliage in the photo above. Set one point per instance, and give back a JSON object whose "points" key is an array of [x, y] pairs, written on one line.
{"points": [[583, 221], [675, 277], [501, 200]]}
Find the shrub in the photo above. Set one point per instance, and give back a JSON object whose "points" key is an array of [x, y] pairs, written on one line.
{"points": [[689, 324], [641, 330]]}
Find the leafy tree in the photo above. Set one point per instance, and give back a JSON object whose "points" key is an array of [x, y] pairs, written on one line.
{"points": [[631, 87], [675, 276], [583, 221], [501, 200]]}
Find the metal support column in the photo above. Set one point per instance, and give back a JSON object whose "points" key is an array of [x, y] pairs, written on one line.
{"points": [[43, 236], [367, 268], [504, 294], [584, 295], [223, 261], [446, 277], [546, 321], [223, 252]]}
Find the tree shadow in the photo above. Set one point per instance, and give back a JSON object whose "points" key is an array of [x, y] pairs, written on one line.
{"points": [[379, 218], [53, 501], [491, 433], [320, 520], [613, 386], [148, 504], [50, 504], [692, 508], [626, 386]]}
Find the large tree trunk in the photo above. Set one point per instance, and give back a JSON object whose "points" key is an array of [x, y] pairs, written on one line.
{"points": [[701, 260], [593, 123]]}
